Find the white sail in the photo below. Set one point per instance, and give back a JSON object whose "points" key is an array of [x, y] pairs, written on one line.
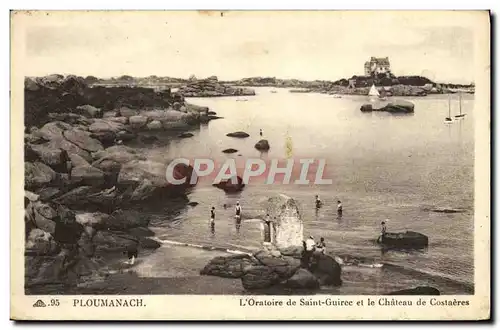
{"points": [[373, 91]]}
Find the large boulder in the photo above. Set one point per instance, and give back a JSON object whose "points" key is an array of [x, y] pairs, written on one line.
{"points": [[105, 242], [136, 171], [52, 130], [119, 153], [283, 267], [77, 160], [262, 145], [109, 167], [83, 140], [108, 125], [89, 111], [397, 106], [38, 175], [154, 125], [292, 251], [84, 196], [126, 112], [71, 148], [326, 269], [40, 242], [126, 219], [87, 175], [229, 187], [138, 121], [302, 279], [259, 277], [233, 266], [53, 157], [55, 219], [93, 219], [284, 212]]}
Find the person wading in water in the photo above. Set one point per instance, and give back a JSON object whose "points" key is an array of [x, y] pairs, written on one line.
{"points": [[318, 202], [238, 215], [339, 208], [212, 219]]}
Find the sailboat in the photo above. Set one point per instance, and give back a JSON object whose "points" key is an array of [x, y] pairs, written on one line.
{"points": [[448, 119], [373, 91], [461, 115]]}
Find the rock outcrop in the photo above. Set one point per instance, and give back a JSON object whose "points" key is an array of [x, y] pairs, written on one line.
{"points": [[270, 269], [229, 186], [238, 134], [288, 225], [393, 107], [211, 87]]}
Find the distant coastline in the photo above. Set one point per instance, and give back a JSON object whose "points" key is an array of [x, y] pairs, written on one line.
{"points": [[355, 85]]}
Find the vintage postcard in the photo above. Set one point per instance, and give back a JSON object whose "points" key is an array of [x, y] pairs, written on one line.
{"points": [[250, 165]]}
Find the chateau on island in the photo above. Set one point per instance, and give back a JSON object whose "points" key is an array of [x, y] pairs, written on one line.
{"points": [[377, 65]]}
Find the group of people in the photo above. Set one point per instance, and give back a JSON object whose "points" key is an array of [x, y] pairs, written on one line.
{"points": [[310, 248], [319, 204], [237, 217]]}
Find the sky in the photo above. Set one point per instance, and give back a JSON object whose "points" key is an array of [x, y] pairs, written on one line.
{"points": [[303, 45]]}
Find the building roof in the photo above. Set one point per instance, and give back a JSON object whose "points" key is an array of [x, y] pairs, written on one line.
{"points": [[380, 60]]}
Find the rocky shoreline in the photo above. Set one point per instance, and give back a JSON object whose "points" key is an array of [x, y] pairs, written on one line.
{"points": [[359, 85], [211, 87], [82, 181]]}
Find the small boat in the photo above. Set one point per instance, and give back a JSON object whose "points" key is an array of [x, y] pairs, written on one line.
{"points": [[407, 239], [336, 96], [461, 115]]}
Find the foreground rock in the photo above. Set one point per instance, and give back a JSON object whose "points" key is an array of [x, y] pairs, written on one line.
{"points": [[419, 290], [393, 107], [405, 240], [302, 279], [64, 248], [268, 269]]}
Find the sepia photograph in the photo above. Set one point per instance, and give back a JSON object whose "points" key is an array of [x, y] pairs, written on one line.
{"points": [[250, 154]]}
